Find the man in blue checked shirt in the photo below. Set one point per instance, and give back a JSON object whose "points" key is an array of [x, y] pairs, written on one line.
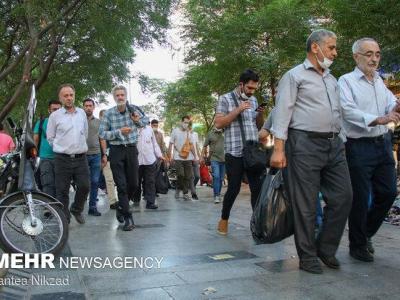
{"points": [[120, 127]]}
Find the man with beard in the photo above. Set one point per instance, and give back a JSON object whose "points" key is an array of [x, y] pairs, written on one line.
{"points": [[67, 131], [367, 107], [239, 103], [120, 127], [96, 157]]}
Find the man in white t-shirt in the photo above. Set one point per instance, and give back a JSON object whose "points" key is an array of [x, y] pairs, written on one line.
{"points": [[183, 163], [195, 163]]}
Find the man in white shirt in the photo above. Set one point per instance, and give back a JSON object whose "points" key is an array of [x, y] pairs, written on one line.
{"points": [[149, 152], [183, 163], [67, 131], [368, 106]]}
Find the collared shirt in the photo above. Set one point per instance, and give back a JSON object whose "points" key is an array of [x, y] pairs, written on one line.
{"points": [[67, 132], [362, 102], [93, 136], [147, 146], [216, 142], [233, 137], [114, 120], [306, 100]]}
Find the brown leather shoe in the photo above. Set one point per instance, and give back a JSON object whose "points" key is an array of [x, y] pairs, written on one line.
{"points": [[223, 227]]}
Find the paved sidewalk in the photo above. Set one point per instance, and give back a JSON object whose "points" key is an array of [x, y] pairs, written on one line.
{"points": [[200, 264]]}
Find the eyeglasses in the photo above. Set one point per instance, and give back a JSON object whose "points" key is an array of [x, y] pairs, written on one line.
{"points": [[371, 54]]}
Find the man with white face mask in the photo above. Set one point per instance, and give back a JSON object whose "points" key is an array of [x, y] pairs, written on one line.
{"points": [[367, 107], [120, 126], [306, 125]]}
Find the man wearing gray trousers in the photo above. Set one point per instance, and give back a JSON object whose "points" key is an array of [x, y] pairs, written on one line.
{"points": [[306, 125]]}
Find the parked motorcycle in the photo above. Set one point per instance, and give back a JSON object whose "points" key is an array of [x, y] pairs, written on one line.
{"points": [[30, 221]]}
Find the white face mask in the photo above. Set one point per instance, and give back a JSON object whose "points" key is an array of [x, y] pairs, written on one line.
{"points": [[326, 63], [185, 126]]}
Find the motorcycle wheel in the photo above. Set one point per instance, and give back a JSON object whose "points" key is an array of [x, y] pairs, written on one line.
{"points": [[17, 235]]}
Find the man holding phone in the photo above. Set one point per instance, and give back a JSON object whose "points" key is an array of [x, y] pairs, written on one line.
{"points": [[120, 126], [239, 102]]}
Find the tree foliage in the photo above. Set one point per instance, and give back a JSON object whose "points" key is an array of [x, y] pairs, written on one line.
{"points": [[87, 43], [225, 37]]}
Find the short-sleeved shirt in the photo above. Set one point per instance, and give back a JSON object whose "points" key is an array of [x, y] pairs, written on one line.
{"points": [[233, 137], [6, 143], [178, 138], [216, 142], [45, 151], [93, 136]]}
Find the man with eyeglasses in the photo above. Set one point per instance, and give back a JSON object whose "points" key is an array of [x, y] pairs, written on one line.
{"points": [[368, 106]]}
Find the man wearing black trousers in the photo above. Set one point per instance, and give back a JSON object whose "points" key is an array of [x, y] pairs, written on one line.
{"points": [[367, 107], [120, 127], [306, 125], [239, 102], [67, 131]]}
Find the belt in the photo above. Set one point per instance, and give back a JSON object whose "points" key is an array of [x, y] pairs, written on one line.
{"points": [[319, 135], [373, 139], [124, 145], [71, 155]]}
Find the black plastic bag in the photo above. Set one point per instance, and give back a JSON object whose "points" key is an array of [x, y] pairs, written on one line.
{"points": [[272, 219], [162, 182]]}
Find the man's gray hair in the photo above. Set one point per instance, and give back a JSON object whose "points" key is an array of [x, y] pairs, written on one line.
{"points": [[357, 44], [319, 36], [117, 88]]}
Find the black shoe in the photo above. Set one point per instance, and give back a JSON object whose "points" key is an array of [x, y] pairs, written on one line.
{"points": [[120, 216], [94, 212], [113, 206], [361, 254], [330, 261], [157, 195], [151, 206], [194, 197], [78, 217], [311, 266], [129, 224], [370, 247]]}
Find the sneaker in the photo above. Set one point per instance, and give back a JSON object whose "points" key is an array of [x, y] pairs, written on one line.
{"points": [[223, 227], [186, 197], [151, 206], [102, 192], [216, 199], [194, 197], [177, 194]]}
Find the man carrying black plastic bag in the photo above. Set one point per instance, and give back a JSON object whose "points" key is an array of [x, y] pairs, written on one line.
{"points": [[272, 219], [306, 125]]}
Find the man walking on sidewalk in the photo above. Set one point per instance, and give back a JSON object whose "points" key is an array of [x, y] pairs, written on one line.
{"points": [[95, 155], [367, 107], [120, 126], [306, 125], [239, 102], [67, 132]]}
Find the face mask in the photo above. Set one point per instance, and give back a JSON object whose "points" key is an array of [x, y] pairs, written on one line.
{"points": [[243, 95], [185, 126], [155, 129], [326, 63]]}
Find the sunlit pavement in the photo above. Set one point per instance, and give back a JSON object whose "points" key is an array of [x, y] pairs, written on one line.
{"points": [[197, 263]]}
